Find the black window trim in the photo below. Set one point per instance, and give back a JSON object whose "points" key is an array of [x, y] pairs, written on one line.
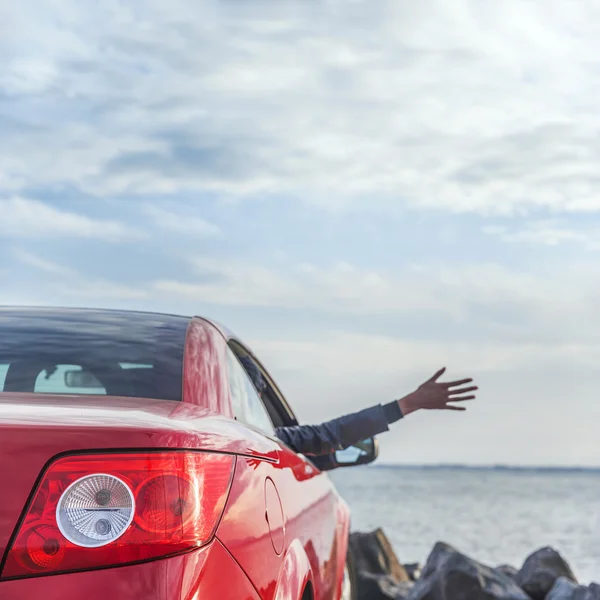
{"points": [[275, 401]]}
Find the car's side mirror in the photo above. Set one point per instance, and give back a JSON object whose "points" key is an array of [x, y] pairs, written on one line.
{"points": [[360, 453]]}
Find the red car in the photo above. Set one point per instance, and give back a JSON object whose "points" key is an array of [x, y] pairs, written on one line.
{"points": [[139, 463]]}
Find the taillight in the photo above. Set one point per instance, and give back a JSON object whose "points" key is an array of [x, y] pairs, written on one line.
{"points": [[95, 511]]}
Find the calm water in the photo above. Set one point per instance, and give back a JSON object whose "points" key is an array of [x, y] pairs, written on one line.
{"points": [[494, 516]]}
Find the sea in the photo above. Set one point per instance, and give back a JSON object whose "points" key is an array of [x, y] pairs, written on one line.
{"points": [[495, 515]]}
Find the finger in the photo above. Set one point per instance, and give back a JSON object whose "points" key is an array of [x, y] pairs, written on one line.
{"points": [[461, 398], [458, 382], [459, 408], [473, 388], [438, 374]]}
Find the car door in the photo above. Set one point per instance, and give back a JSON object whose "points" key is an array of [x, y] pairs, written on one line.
{"points": [[297, 519]]}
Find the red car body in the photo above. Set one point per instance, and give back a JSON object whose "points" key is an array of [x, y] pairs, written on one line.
{"points": [[281, 534]]}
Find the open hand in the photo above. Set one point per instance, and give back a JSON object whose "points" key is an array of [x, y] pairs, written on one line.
{"points": [[436, 395]]}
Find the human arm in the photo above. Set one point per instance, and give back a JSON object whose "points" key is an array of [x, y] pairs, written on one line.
{"points": [[340, 433]]}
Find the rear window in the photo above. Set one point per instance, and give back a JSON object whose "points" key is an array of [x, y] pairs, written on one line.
{"points": [[92, 352]]}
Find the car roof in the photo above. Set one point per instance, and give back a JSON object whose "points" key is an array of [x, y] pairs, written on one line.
{"points": [[92, 314]]}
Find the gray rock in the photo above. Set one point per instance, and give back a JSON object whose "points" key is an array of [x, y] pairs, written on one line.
{"points": [[541, 570], [373, 586], [413, 571], [403, 590], [379, 574], [450, 575], [508, 571], [565, 589]]}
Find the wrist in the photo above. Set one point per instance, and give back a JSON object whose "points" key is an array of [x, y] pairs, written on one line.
{"points": [[407, 405]]}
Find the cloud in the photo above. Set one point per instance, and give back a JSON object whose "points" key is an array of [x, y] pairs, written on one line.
{"points": [[25, 218], [467, 302], [473, 107], [100, 290], [548, 232], [375, 356], [66, 282], [28, 76], [182, 222], [341, 287], [43, 264]]}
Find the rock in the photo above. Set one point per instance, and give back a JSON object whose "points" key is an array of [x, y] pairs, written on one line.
{"points": [[565, 589], [373, 552], [413, 571], [379, 573], [541, 570], [381, 587], [508, 571], [450, 575], [403, 590]]}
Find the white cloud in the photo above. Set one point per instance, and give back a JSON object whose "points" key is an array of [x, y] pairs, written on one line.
{"points": [[28, 76], [182, 222], [43, 264], [547, 232], [468, 107], [470, 301], [339, 288], [377, 356], [96, 290], [25, 218], [68, 283]]}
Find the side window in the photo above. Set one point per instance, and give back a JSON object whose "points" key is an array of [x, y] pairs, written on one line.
{"points": [[247, 405]]}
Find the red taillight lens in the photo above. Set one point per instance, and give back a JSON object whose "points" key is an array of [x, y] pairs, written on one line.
{"points": [[96, 511], [170, 491]]}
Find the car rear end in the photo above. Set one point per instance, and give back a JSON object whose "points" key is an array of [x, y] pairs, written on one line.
{"points": [[108, 488], [139, 523]]}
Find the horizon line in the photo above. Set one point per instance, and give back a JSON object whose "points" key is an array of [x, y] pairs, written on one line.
{"points": [[490, 466]]}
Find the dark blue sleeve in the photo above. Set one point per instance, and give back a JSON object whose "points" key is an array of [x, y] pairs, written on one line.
{"points": [[325, 462], [317, 440]]}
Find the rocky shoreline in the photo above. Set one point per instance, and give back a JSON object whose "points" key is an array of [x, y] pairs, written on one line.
{"points": [[450, 575]]}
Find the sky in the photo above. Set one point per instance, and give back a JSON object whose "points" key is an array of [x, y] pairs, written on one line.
{"points": [[364, 191]]}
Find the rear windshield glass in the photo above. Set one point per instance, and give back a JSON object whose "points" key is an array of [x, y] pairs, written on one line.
{"points": [[92, 352]]}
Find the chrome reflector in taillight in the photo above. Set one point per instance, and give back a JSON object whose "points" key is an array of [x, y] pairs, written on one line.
{"points": [[95, 510]]}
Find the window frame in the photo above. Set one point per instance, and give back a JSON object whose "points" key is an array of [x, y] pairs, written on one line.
{"points": [[232, 356], [275, 404]]}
